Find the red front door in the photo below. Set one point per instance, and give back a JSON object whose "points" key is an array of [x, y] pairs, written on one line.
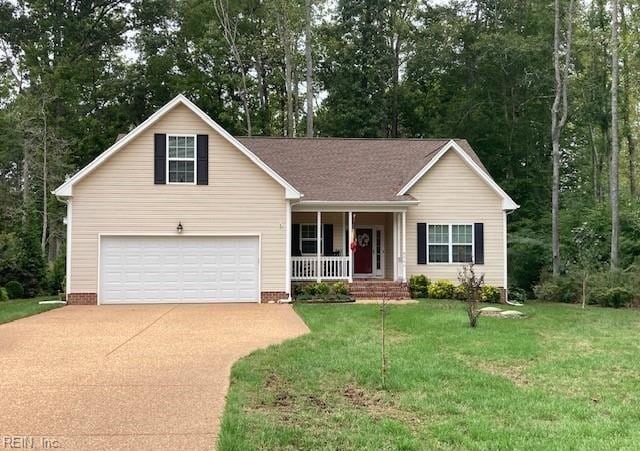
{"points": [[363, 255]]}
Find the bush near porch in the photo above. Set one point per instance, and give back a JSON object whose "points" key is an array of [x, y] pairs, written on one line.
{"points": [[321, 292], [421, 287], [562, 378]]}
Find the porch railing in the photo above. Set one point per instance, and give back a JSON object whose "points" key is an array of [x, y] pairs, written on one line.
{"points": [[306, 268]]}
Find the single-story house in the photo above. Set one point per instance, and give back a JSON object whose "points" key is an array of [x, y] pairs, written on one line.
{"points": [[179, 210]]}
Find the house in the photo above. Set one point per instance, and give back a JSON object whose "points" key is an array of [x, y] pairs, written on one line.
{"points": [[178, 210]]}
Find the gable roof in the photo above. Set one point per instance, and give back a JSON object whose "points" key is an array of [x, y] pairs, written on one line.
{"points": [[66, 189], [361, 170]]}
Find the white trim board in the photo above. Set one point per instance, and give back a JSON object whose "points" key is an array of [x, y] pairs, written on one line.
{"points": [[507, 202], [66, 189]]}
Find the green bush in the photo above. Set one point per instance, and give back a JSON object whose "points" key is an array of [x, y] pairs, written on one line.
{"points": [[460, 292], [55, 275], [528, 254], [597, 296], [319, 289], [517, 295], [558, 289], [340, 289], [14, 289], [441, 289], [304, 297], [419, 286], [616, 297], [490, 293], [4, 297], [298, 289]]}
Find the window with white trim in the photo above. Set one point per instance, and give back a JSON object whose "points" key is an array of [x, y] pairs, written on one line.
{"points": [[181, 159], [450, 243], [308, 242]]}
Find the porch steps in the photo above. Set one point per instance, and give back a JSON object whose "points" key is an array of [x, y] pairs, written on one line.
{"points": [[378, 289]]}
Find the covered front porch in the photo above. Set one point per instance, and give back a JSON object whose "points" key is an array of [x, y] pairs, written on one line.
{"points": [[334, 244]]}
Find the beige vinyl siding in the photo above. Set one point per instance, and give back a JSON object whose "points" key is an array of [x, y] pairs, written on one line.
{"points": [[451, 192], [120, 197]]}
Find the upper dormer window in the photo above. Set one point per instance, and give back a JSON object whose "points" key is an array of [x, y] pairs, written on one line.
{"points": [[181, 158]]}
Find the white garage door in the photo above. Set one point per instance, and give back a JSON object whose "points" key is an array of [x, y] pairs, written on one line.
{"points": [[137, 269]]}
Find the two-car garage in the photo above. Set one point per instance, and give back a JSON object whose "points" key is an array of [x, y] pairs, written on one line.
{"points": [[174, 269]]}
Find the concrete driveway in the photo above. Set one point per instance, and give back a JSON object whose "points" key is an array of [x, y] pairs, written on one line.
{"points": [[128, 377]]}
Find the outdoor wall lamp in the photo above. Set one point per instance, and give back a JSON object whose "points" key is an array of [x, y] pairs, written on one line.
{"points": [[179, 228]]}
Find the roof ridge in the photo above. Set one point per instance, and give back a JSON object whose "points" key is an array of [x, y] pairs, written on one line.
{"points": [[337, 138]]}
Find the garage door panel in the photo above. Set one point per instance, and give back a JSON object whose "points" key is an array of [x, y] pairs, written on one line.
{"points": [[178, 269]]}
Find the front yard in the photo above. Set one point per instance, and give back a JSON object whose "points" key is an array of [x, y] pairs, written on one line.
{"points": [[563, 378], [20, 308]]}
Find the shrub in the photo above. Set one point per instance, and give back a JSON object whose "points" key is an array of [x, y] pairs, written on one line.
{"points": [[489, 293], [517, 295], [461, 293], [55, 275], [419, 286], [340, 289], [298, 289], [304, 297], [14, 289], [319, 289], [528, 254], [441, 289], [617, 297], [597, 296], [4, 297], [558, 289]]}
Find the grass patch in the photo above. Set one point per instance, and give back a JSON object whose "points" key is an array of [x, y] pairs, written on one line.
{"points": [[21, 308], [564, 378]]}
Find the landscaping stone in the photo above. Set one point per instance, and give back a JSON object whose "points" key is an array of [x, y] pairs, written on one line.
{"points": [[511, 313], [490, 309]]}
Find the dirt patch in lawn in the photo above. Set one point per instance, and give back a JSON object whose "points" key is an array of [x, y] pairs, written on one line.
{"points": [[514, 372], [281, 398]]}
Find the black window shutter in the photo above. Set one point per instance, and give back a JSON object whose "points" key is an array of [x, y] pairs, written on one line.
{"points": [[295, 240], [328, 239], [159, 159], [202, 170], [478, 236], [422, 243]]}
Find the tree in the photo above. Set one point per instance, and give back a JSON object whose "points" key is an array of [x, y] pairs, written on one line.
{"points": [[356, 70], [559, 113], [230, 32], [615, 143], [472, 285], [309, 64]]}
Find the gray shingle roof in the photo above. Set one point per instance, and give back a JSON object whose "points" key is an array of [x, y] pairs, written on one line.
{"points": [[349, 169]]}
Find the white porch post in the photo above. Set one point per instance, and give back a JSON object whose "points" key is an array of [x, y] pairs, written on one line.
{"points": [[318, 235], [395, 246], [350, 249], [287, 272], [342, 238], [404, 246]]}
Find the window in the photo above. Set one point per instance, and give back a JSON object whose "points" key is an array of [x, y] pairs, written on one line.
{"points": [[181, 159], [450, 243], [308, 238], [438, 243]]}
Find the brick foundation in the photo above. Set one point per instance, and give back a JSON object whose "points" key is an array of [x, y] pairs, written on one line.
{"points": [[82, 298], [275, 296]]}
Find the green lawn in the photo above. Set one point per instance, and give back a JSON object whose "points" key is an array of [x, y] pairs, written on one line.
{"points": [[19, 308], [561, 379]]}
